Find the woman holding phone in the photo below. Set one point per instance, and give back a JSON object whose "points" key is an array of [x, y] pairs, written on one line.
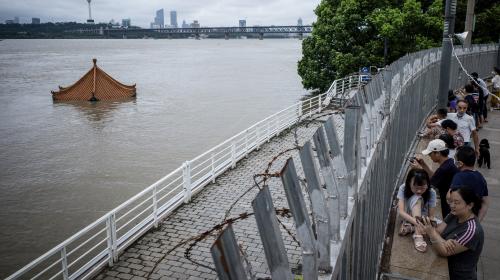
{"points": [[460, 237]]}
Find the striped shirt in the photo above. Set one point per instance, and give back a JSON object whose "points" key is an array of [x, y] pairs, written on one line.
{"points": [[470, 235]]}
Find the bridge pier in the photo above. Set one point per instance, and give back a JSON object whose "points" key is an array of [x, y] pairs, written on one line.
{"points": [[301, 36], [197, 36], [226, 36], [261, 36]]}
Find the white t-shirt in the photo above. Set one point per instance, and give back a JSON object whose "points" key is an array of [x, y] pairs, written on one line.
{"points": [[496, 82], [481, 83], [465, 124]]}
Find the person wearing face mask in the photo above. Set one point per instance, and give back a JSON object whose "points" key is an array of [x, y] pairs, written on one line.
{"points": [[468, 176], [465, 125]]}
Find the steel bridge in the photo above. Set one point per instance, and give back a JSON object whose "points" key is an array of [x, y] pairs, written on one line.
{"points": [[197, 31]]}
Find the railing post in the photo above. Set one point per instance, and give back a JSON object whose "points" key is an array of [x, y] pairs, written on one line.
{"points": [[268, 134], [246, 143], [277, 125], [233, 154], [64, 261], [299, 111], [310, 107], [319, 103], [186, 176], [155, 206], [212, 162], [111, 238], [257, 137]]}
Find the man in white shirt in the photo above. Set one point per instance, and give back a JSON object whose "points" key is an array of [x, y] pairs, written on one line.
{"points": [[466, 125], [496, 88]]}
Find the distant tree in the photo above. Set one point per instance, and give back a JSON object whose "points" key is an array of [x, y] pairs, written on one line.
{"points": [[349, 34]]}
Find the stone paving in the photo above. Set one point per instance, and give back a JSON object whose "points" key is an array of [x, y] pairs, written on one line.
{"points": [[154, 256]]}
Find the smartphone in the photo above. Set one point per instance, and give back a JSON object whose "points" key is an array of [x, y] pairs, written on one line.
{"points": [[421, 220], [433, 223]]}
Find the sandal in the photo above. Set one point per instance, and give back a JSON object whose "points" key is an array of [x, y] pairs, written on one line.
{"points": [[420, 244], [406, 228]]}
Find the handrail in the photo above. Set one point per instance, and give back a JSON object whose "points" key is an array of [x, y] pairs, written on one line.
{"points": [[226, 154]]}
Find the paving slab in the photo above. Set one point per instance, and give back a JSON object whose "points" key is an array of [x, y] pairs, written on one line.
{"points": [[405, 259], [490, 257], [158, 252]]}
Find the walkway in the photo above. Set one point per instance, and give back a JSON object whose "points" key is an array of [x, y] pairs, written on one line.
{"points": [[409, 264], [161, 253], [405, 260], [490, 258]]}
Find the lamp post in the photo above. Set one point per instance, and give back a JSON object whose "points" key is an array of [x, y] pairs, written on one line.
{"points": [[444, 73], [469, 22]]}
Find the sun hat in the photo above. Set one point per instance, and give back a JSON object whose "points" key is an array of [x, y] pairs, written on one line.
{"points": [[435, 145]]}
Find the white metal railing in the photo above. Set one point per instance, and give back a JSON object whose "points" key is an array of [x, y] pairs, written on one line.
{"points": [[87, 251], [340, 88]]}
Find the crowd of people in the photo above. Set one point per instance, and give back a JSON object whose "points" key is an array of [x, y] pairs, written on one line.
{"points": [[455, 149]]}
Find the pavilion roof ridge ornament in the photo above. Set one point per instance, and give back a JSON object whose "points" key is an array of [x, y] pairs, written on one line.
{"points": [[95, 85]]}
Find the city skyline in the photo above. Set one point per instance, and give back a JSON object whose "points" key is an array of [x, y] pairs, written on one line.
{"points": [[208, 13]]}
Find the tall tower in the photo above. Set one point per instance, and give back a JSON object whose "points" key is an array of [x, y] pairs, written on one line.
{"points": [[159, 19], [90, 20], [173, 19]]}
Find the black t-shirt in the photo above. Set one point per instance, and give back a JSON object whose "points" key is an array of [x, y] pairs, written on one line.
{"points": [[469, 234], [441, 179], [473, 179]]}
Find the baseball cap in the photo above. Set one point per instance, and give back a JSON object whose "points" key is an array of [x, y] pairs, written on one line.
{"points": [[435, 145]]}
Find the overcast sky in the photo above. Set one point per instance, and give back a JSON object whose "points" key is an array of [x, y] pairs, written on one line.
{"points": [[142, 12]]}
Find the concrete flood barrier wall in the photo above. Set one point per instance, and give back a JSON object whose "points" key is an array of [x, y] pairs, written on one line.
{"points": [[349, 180]]}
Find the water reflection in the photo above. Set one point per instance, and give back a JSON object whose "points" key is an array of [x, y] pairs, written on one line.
{"points": [[96, 112]]}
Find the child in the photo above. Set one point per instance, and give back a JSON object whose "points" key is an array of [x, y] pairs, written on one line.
{"points": [[416, 199]]}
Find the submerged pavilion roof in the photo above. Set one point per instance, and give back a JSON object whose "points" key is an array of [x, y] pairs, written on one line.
{"points": [[95, 85]]}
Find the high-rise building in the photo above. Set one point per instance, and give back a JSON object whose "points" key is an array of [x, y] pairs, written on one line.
{"points": [[243, 23], [90, 20], [16, 19], [299, 22], [9, 21], [184, 24], [159, 19], [35, 20], [173, 19], [126, 22], [195, 24]]}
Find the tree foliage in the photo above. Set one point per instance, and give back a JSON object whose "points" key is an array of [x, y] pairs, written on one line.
{"points": [[349, 34]]}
